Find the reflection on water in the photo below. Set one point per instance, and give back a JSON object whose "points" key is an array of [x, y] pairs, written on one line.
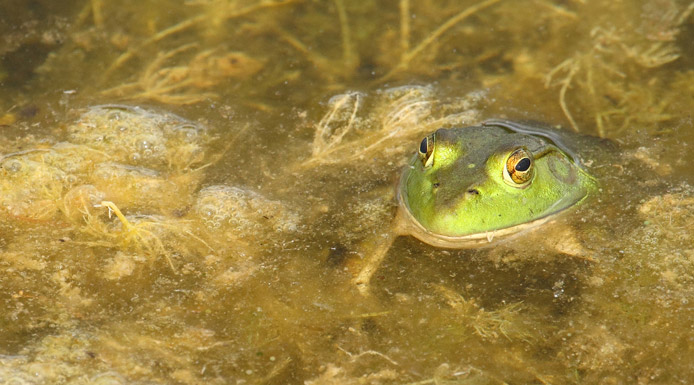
{"points": [[188, 189]]}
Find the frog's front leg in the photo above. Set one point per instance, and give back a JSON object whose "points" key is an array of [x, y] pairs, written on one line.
{"points": [[373, 252]]}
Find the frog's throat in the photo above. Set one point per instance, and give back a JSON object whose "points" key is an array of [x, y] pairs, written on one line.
{"points": [[407, 224]]}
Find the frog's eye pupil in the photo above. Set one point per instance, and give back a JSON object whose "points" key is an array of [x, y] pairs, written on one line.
{"points": [[426, 150], [423, 146], [523, 165]]}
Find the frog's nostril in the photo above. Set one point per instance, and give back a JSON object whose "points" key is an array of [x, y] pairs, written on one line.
{"points": [[473, 191]]}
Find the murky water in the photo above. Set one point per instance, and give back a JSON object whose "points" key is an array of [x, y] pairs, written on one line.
{"points": [[188, 189]]}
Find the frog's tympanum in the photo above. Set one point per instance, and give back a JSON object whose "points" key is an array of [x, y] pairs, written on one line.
{"points": [[470, 185]]}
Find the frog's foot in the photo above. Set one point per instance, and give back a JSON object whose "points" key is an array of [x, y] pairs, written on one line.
{"points": [[374, 252]]}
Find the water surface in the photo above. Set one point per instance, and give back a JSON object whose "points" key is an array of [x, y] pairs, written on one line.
{"points": [[189, 187]]}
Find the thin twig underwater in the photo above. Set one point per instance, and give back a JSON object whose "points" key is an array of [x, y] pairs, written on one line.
{"points": [[358, 125]]}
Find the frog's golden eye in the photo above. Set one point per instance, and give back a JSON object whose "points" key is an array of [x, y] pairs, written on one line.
{"points": [[426, 150], [519, 168]]}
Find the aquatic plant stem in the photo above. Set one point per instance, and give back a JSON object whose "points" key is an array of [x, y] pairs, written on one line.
{"points": [[571, 66], [404, 27], [443, 28], [129, 54], [347, 46], [97, 13], [130, 230], [182, 26], [562, 99]]}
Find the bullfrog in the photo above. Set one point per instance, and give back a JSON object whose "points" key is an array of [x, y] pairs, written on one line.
{"points": [[474, 186]]}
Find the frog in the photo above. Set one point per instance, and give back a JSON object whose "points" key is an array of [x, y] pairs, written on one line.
{"points": [[475, 186]]}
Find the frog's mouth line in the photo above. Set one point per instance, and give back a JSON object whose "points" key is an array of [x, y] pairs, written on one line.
{"points": [[411, 226]]}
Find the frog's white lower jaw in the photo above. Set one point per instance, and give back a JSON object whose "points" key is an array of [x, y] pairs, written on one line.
{"points": [[409, 225]]}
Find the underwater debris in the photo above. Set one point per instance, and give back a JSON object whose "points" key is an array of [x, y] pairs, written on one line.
{"points": [[243, 215], [216, 12], [600, 72], [32, 182], [137, 235], [74, 159], [114, 143], [652, 160], [134, 186], [121, 265], [79, 202], [489, 325], [596, 349], [408, 55], [8, 118], [669, 219], [139, 137], [185, 84], [52, 360], [145, 234], [346, 133], [348, 63], [445, 375], [337, 122], [30, 189], [336, 375], [661, 20], [351, 40]]}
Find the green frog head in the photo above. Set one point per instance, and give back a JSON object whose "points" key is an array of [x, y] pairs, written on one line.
{"points": [[468, 185]]}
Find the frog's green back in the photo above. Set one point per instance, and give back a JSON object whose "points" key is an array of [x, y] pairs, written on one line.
{"points": [[487, 178]]}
